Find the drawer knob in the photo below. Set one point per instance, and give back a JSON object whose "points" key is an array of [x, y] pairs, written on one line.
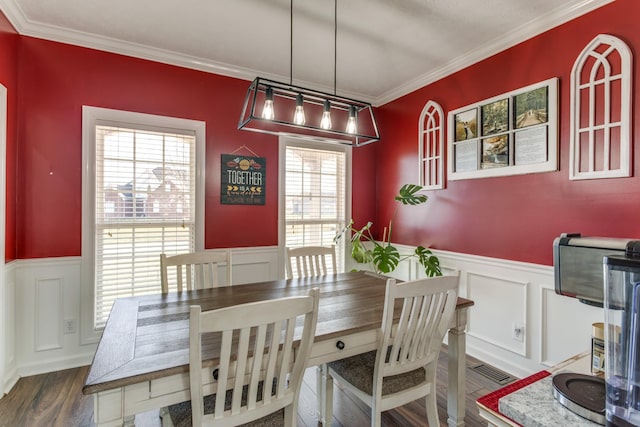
{"points": [[340, 345]]}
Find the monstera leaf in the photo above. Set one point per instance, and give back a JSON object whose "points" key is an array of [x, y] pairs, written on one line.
{"points": [[408, 196], [430, 262], [386, 258]]}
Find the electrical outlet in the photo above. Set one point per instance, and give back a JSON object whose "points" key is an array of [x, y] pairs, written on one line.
{"points": [[517, 331], [70, 326]]}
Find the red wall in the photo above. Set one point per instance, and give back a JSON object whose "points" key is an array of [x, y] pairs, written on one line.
{"points": [[515, 217], [58, 79], [511, 217], [9, 45]]}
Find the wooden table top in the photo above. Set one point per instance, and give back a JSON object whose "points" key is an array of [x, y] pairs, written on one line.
{"points": [[147, 337]]}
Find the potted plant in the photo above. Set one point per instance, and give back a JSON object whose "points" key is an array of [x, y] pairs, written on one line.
{"points": [[382, 256]]}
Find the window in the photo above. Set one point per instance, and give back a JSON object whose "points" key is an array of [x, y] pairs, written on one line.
{"points": [[140, 198], [315, 204], [430, 146], [601, 110]]}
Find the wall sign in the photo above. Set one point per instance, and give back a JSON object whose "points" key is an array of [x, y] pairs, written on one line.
{"points": [[243, 180], [510, 134]]}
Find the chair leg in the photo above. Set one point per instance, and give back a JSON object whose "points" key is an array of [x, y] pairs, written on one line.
{"points": [[432, 409], [324, 393], [165, 418], [289, 414], [376, 417]]}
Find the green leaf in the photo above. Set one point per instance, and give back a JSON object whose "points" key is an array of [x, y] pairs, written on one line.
{"points": [[386, 258], [408, 196], [430, 262], [359, 253]]}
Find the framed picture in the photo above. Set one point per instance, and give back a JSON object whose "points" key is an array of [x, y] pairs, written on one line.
{"points": [[513, 133], [495, 152], [495, 117], [531, 108], [466, 125]]}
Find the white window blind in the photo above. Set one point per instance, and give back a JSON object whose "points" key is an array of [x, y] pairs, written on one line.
{"points": [[144, 206], [314, 198]]}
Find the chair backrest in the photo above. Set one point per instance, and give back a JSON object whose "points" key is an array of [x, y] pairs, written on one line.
{"points": [[196, 270], [310, 260], [248, 365], [425, 308]]}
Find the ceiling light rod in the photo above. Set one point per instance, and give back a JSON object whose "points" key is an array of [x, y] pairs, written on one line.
{"points": [[282, 100]]}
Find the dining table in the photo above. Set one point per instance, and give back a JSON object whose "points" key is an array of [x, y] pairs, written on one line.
{"points": [[142, 360]]}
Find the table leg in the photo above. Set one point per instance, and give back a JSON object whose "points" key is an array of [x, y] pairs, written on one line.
{"points": [[456, 370], [324, 392]]}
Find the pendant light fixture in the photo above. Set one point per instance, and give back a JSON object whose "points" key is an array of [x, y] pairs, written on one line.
{"points": [[312, 114]]}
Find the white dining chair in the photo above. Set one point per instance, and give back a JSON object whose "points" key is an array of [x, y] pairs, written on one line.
{"points": [[260, 367], [194, 270], [416, 317], [310, 261]]}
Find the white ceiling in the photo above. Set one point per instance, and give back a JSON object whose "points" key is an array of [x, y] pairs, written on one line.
{"points": [[385, 48]]}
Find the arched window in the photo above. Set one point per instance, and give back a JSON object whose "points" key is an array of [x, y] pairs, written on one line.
{"points": [[431, 146], [601, 110]]}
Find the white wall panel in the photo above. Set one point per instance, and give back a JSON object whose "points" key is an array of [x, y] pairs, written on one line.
{"points": [[499, 303], [9, 368], [48, 292], [564, 320], [555, 327], [48, 313]]}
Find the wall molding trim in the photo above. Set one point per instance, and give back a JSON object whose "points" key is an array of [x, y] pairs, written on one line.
{"points": [[508, 290], [528, 30]]}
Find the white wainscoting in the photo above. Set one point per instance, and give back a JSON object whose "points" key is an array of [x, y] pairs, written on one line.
{"points": [[505, 292], [9, 369], [43, 294]]}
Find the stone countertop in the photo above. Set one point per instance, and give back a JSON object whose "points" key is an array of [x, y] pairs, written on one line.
{"points": [[535, 406]]}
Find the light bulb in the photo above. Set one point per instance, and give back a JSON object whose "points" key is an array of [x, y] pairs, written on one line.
{"points": [[298, 115], [267, 110], [352, 126], [325, 122]]}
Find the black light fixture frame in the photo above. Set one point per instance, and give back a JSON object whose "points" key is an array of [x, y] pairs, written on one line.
{"points": [[251, 118]]}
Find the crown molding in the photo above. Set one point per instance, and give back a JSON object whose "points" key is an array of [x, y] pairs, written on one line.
{"points": [[23, 26], [531, 29]]}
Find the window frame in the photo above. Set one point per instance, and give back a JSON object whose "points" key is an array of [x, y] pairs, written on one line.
{"points": [[91, 116], [284, 142]]}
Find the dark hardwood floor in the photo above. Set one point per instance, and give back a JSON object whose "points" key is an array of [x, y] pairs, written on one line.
{"points": [[56, 399]]}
